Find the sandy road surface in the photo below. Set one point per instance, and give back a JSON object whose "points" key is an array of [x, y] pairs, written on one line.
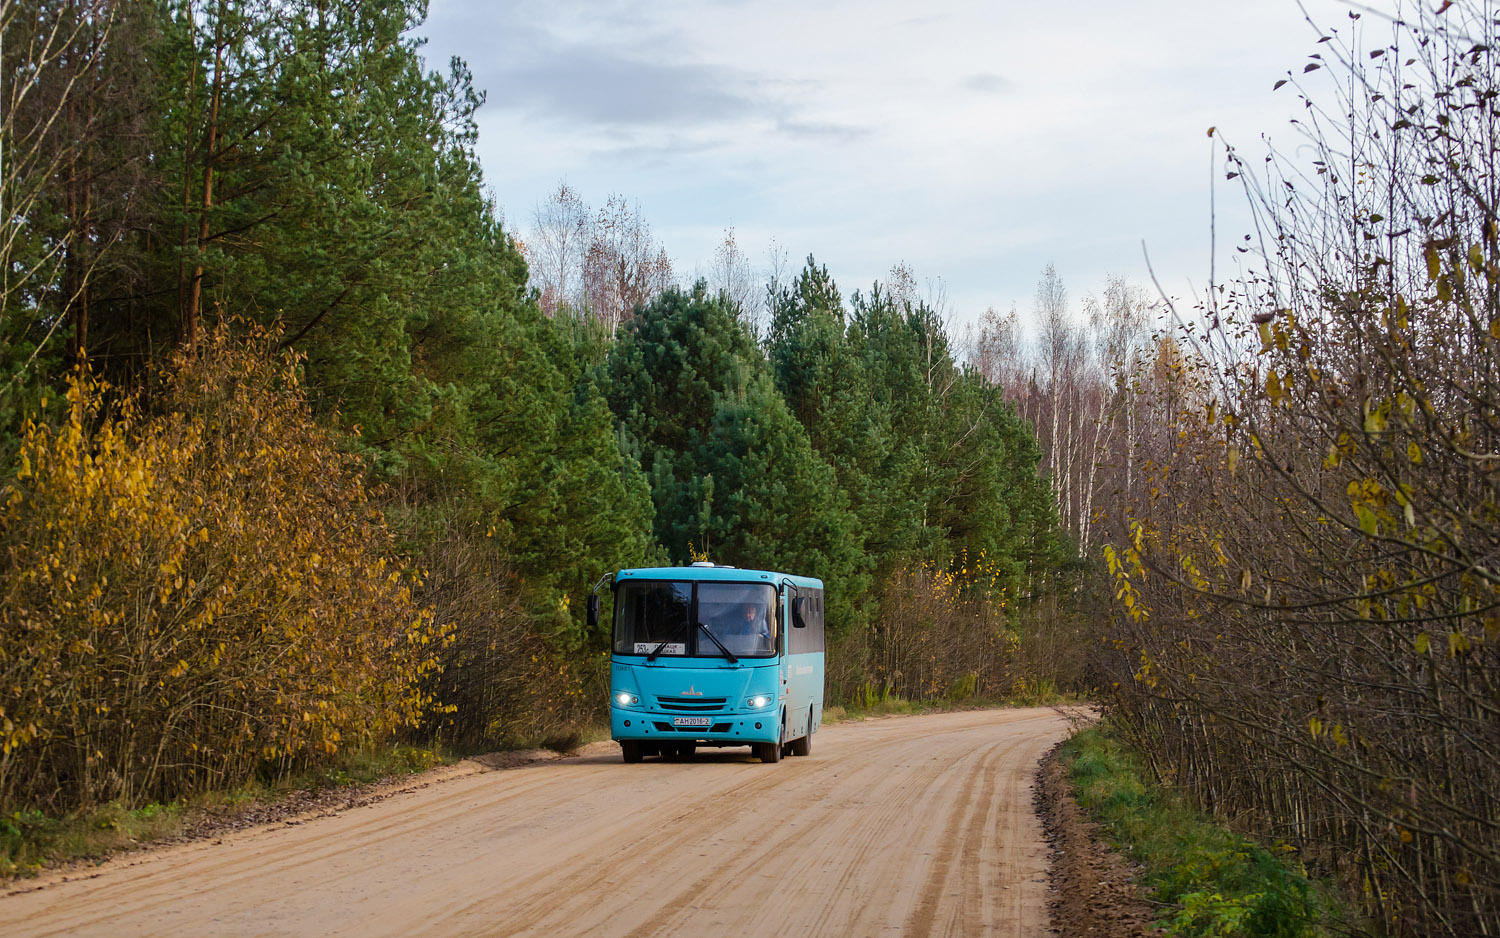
{"points": [[906, 826]]}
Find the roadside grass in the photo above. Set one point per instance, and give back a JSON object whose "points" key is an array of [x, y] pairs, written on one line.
{"points": [[31, 841], [1210, 881]]}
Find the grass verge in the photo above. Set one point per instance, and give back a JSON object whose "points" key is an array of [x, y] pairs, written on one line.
{"points": [[1208, 880], [31, 841]]}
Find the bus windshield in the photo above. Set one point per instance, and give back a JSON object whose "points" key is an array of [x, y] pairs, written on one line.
{"points": [[670, 615]]}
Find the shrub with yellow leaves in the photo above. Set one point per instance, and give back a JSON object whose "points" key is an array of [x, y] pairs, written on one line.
{"points": [[196, 588]]}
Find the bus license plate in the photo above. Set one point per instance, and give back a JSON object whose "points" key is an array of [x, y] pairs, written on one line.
{"points": [[692, 721]]}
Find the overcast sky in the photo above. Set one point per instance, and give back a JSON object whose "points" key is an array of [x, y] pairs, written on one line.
{"points": [[973, 141]]}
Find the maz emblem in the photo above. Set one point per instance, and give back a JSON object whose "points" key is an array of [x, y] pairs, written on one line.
{"points": [[692, 693]]}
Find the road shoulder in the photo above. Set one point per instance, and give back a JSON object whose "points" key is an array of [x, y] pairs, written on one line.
{"points": [[1093, 888]]}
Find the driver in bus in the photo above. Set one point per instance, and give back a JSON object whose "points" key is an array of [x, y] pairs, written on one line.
{"points": [[753, 628]]}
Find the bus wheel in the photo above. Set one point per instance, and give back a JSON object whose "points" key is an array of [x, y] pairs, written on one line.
{"points": [[631, 750], [768, 752], [803, 745]]}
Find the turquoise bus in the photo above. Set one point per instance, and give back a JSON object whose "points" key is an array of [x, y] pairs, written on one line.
{"points": [[710, 655]]}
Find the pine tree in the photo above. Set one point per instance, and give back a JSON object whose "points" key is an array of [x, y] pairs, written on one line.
{"points": [[825, 382], [732, 471]]}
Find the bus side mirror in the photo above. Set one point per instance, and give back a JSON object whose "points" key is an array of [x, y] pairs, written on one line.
{"points": [[593, 611], [799, 612]]}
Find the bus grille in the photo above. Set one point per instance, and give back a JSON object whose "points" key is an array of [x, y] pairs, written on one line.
{"points": [[691, 704]]}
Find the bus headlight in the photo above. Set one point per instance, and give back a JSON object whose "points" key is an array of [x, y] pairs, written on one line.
{"points": [[759, 701], [625, 700]]}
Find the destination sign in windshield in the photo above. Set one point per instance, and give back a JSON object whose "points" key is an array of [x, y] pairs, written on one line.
{"points": [[670, 648]]}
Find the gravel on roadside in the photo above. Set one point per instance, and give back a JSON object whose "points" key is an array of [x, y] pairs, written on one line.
{"points": [[1093, 888]]}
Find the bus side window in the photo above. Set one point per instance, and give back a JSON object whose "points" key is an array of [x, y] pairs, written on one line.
{"points": [[806, 633]]}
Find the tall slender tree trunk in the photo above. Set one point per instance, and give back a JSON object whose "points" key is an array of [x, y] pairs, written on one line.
{"points": [[85, 238], [1052, 442], [79, 302], [1070, 518], [72, 280], [1088, 491], [78, 121], [210, 145], [187, 192]]}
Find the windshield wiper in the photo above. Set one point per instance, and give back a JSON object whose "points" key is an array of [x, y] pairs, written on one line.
{"points": [[727, 653]]}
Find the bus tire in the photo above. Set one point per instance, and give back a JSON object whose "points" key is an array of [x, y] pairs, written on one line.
{"points": [[768, 752], [685, 751], [802, 746], [630, 749]]}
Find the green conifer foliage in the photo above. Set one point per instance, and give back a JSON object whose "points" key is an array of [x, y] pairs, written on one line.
{"points": [[823, 377], [732, 471], [310, 173], [958, 478], [900, 526]]}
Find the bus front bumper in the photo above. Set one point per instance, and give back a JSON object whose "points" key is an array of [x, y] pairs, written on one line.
{"points": [[722, 729]]}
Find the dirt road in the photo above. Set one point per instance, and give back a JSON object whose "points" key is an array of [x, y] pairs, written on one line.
{"points": [[906, 826]]}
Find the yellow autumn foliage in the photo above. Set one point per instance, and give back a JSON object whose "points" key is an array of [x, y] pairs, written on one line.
{"points": [[196, 588]]}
